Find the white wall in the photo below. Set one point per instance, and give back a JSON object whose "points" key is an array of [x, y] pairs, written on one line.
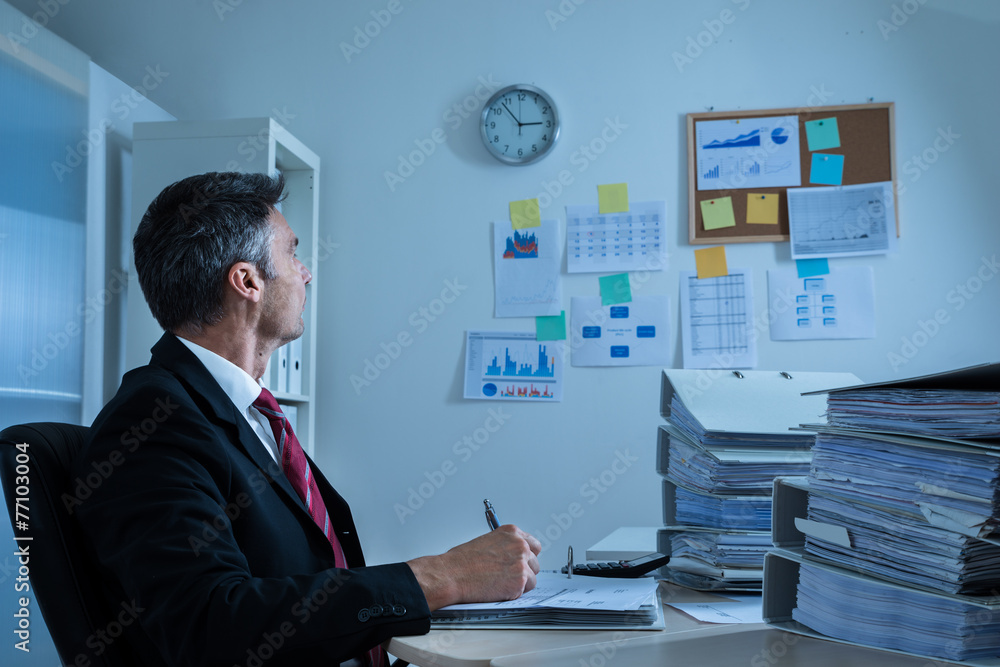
{"points": [[607, 62], [394, 249]]}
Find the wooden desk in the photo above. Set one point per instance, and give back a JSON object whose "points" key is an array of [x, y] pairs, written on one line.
{"points": [[478, 648]]}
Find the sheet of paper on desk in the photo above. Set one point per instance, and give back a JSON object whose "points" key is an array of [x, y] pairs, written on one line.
{"points": [[738, 609], [558, 591]]}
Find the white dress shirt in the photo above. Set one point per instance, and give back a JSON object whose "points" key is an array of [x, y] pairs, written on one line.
{"points": [[241, 389]]}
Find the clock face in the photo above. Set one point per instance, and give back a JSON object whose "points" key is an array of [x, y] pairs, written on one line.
{"points": [[519, 124]]}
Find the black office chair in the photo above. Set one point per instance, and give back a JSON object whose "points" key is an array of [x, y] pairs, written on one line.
{"points": [[63, 578]]}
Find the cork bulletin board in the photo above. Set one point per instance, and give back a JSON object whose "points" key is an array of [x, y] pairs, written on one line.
{"points": [[867, 144]]}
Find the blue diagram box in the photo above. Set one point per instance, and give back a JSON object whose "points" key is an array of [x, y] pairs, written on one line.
{"points": [[648, 331], [619, 351], [592, 332], [801, 298], [829, 321], [805, 322], [802, 311], [815, 284], [619, 312]]}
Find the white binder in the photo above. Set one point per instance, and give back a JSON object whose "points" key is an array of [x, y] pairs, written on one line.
{"points": [[295, 366], [738, 403]]}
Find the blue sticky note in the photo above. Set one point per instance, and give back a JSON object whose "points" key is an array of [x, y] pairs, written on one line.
{"points": [[615, 289], [818, 266], [822, 134], [827, 169]]}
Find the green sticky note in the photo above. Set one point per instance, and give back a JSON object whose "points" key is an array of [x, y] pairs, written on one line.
{"points": [[711, 262], [612, 198], [718, 213], [551, 327], [525, 213], [615, 289], [762, 209], [822, 134]]}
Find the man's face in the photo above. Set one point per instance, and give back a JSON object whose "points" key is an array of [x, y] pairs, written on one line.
{"points": [[284, 298]]}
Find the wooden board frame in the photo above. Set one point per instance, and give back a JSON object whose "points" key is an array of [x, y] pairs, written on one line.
{"points": [[867, 140]]}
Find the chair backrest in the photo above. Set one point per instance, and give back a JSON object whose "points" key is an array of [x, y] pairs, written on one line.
{"points": [[35, 464]]}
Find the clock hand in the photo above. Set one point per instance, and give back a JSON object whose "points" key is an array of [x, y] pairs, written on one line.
{"points": [[538, 123], [512, 115]]}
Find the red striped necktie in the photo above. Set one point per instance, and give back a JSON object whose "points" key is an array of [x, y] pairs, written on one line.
{"points": [[296, 468]]}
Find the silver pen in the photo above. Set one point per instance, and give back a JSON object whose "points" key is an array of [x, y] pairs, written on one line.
{"points": [[491, 515]]}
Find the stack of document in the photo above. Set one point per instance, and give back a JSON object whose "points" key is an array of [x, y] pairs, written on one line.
{"points": [[729, 469], [718, 551], [902, 544], [957, 404], [955, 414], [900, 547], [566, 602], [880, 614], [721, 511], [727, 436]]}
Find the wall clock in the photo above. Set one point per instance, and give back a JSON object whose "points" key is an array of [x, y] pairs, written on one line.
{"points": [[519, 124]]}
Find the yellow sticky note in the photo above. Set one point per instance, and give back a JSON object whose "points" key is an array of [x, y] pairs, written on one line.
{"points": [[711, 262], [612, 198], [718, 213], [525, 213], [762, 209]]}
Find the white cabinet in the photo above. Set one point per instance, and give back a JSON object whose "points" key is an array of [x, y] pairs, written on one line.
{"points": [[166, 152]]}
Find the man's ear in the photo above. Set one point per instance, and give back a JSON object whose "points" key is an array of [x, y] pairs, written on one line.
{"points": [[245, 281]]}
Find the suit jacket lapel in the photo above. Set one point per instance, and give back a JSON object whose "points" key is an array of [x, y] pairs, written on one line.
{"points": [[175, 357]]}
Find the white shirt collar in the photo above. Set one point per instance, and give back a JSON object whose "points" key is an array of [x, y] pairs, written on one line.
{"points": [[241, 389]]}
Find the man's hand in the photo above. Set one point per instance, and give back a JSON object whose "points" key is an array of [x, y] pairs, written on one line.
{"points": [[500, 565]]}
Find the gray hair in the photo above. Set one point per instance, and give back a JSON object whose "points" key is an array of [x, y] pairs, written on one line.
{"points": [[193, 233]]}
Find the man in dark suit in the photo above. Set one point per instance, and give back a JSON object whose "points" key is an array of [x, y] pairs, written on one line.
{"points": [[206, 531]]}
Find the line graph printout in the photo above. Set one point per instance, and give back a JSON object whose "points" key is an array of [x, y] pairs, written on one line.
{"points": [[717, 320], [747, 153], [842, 221], [513, 366], [526, 270], [616, 242]]}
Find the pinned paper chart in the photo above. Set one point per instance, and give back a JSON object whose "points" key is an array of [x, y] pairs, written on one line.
{"points": [[748, 153], [716, 316], [614, 242], [842, 221], [840, 304], [512, 366], [629, 334], [526, 270]]}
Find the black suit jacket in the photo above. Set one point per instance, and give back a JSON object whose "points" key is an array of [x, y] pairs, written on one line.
{"points": [[205, 545]]}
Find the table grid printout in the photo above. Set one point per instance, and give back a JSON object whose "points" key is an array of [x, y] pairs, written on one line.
{"points": [[718, 315], [612, 242]]}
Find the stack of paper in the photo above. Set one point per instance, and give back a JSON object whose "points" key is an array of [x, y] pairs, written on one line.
{"points": [[883, 615], [722, 511], [913, 520], [902, 548], [558, 600], [963, 403], [955, 414], [732, 469], [727, 436]]}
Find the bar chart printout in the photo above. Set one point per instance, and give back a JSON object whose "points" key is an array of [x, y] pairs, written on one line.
{"points": [[512, 366], [717, 320]]}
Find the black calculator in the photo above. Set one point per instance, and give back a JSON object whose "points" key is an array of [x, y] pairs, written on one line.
{"points": [[621, 568]]}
